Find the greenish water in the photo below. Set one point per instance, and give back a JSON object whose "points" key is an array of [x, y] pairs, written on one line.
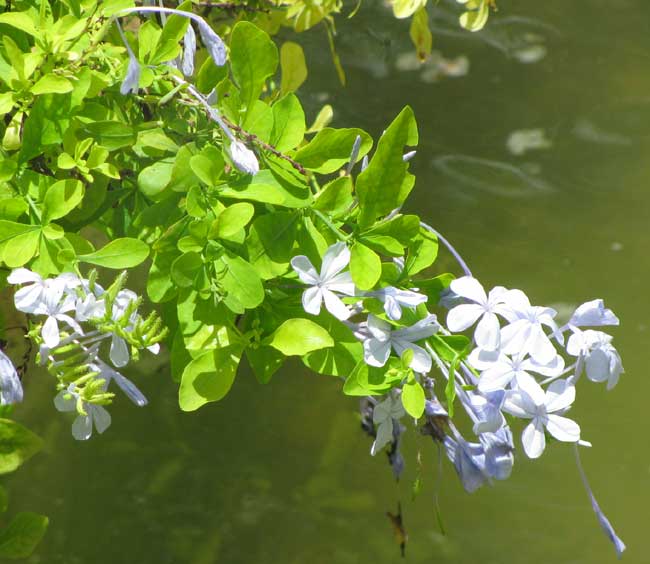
{"points": [[281, 473]]}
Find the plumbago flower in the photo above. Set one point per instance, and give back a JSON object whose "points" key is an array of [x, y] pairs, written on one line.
{"points": [[529, 401], [11, 388], [395, 299], [72, 354], [486, 307], [325, 286], [383, 338], [89, 415], [385, 416]]}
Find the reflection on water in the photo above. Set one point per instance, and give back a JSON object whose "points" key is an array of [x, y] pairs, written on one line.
{"points": [[494, 177], [282, 473]]}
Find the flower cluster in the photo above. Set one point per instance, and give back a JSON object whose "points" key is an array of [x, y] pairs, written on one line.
{"points": [[78, 316], [522, 365]]}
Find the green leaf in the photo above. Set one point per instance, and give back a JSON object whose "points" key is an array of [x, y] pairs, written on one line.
{"points": [[119, 253], [17, 445], [241, 283], [208, 165], [270, 243], [385, 184], [253, 59], [476, 16], [335, 198], [21, 21], [20, 537], [413, 398], [406, 8], [268, 188], [322, 120], [340, 359], [52, 84], [154, 179], [111, 134], [19, 250], [265, 361], [384, 244], [185, 269], [297, 337], [365, 266], [422, 253], [330, 149], [421, 33], [61, 198], [288, 123], [293, 67], [232, 220], [367, 380], [208, 377]]}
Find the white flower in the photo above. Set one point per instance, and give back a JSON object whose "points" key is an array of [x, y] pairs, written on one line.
{"points": [[90, 308], [11, 388], [119, 353], [593, 314], [128, 387], [377, 347], [189, 50], [499, 371], [487, 411], [330, 280], [603, 363], [131, 81], [487, 333], [243, 158], [531, 402], [395, 299], [82, 427], [525, 334], [213, 43], [29, 297], [383, 416], [54, 304]]}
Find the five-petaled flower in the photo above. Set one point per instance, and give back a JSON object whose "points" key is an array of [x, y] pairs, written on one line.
{"points": [[324, 286], [484, 306], [529, 401], [383, 337]]}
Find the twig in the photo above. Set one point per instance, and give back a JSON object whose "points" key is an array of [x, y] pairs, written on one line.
{"points": [[232, 7], [251, 138]]}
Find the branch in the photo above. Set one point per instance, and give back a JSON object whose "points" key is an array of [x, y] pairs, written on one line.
{"points": [[251, 138]]}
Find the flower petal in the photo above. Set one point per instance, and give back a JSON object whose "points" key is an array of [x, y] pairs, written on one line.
{"points": [[50, 332], [533, 439], [384, 436], [469, 288], [82, 427], [488, 332], [376, 352], [497, 377], [101, 417], [559, 396], [11, 388], [23, 275], [335, 306], [65, 401], [421, 361], [305, 270], [336, 258], [463, 316], [342, 283], [119, 353], [312, 298], [563, 429]]}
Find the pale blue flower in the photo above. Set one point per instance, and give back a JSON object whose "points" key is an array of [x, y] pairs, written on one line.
{"points": [[95, 415], [11, 388]]}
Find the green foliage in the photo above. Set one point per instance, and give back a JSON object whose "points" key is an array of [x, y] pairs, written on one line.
{"points": [[17, 445]]}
